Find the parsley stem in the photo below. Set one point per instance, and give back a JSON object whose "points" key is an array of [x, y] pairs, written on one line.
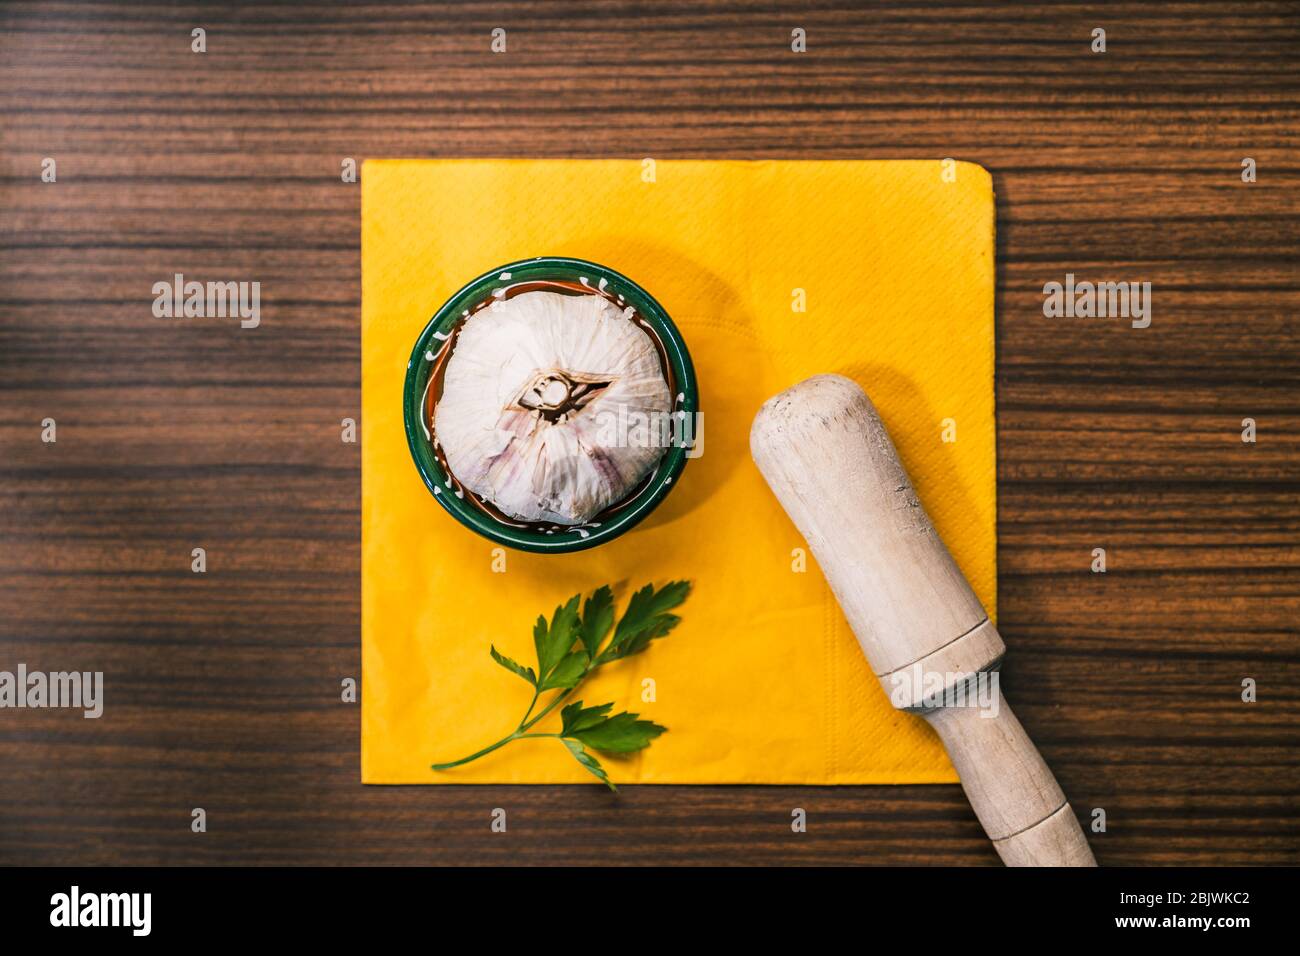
{"points": [[555, 702], [524, 725], [531, 704], [474, 756]]}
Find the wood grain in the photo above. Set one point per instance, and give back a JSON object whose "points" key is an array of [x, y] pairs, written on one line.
{"points": [[224, 687]]}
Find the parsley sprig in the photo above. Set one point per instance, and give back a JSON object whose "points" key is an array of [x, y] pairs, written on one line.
{"points": [[569, 648]]}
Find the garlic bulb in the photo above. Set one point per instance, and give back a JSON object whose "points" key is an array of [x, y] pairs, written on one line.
{"points": [[533, 393]]}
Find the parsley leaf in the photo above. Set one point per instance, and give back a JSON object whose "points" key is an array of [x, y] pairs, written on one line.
{"points": [[576, 717], [554, 642], [568, 672], [589, 762], [525, 672], [597, 618], [646, 619], [620, 734]]}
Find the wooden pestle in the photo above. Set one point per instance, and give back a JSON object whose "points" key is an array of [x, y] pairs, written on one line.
{"points": [[826, 455]]}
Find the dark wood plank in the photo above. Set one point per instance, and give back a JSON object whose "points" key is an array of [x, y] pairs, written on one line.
{"points": [[224, 687]]}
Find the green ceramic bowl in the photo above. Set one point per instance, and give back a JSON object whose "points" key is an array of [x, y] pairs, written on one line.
{"points": [[418, 370]]}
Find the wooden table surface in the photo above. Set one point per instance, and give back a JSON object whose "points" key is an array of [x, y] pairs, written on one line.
{"points": [[224, 687]]}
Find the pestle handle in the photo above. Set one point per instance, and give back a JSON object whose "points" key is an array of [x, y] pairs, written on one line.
{"points": [[827, 457], [1018, 801]]}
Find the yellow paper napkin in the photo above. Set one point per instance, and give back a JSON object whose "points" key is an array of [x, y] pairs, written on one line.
{"points": [[773, 271]]}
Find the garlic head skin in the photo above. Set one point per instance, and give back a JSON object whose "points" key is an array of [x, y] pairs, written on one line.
{"points": [[532, 391]]}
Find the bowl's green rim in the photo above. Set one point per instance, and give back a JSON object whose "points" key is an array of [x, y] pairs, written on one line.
{"points": [[664, 478]]}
